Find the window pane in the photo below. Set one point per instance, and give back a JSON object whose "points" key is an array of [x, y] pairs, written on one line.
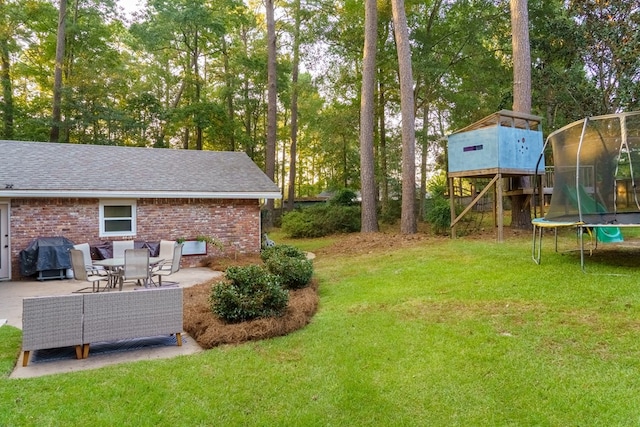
{"points": [[117, 225], [117, 211]]}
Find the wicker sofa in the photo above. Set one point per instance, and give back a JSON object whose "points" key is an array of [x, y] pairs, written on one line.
{"points": [[79, 320]]}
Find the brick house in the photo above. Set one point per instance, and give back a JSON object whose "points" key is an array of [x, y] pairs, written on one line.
{"points": [[98, 193]]}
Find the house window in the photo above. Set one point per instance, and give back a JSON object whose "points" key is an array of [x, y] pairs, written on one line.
{"points": [[117, 218]]}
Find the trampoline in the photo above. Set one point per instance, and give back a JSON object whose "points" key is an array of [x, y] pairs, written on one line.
{"points": [[596, 168]]}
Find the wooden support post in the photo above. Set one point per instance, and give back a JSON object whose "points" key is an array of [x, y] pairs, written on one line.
{"points": [[452, 205], [499, 209], [473, 202]]}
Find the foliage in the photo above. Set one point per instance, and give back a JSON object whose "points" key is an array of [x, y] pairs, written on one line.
{"points": [[294, 273], [290, 264], [250, 292], [390, 212], [191, 74], [344, 197], [438, 212], [289, 251], [211, 240], [321, 220]]}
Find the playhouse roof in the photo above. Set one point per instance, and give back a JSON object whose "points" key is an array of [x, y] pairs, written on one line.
{"points": [[38, 169], [506, 118]]}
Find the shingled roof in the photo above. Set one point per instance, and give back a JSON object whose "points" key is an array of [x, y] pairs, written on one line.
{"points": [[39, 169]]}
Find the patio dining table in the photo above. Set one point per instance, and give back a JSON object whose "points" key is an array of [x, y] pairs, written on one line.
{"points": [[113, 265]]}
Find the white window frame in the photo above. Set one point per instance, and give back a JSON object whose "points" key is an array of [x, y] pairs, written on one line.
{"points": [[121, 202]]}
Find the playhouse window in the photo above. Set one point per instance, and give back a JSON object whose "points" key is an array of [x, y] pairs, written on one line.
{"points": [[117, 218]]}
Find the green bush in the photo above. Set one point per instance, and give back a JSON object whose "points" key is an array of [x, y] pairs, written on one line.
{"points": [[282, 250], [249, 292], [344, 197], [343, 219], [301, 224], [322, 220], [391, 212], [294, 273], [439, 215]]}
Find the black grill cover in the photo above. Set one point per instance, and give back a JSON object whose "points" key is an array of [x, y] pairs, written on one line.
{"points": [[45, 253]]}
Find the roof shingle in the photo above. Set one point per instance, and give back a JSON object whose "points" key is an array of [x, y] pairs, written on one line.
{"points": [[37, 168]]}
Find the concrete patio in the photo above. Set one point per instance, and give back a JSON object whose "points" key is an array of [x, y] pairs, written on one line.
{"points": [[12, 293]]}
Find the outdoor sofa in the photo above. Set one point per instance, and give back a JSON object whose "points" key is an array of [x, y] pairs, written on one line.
{"points": [[81, 319]]}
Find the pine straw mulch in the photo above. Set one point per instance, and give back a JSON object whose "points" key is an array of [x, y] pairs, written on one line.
{"points": [[211, 331]]}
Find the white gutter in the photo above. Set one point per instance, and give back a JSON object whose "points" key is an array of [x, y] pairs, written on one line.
{"points": [[104, 194]]}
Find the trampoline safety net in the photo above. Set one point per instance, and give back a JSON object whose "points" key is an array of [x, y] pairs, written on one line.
{"points": [[596, 170]]}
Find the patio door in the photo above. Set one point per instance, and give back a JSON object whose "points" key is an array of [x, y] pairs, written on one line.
{"points": [[5, 265]]}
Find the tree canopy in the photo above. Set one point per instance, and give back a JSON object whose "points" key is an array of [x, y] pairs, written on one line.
{"points": [[192, 74]]}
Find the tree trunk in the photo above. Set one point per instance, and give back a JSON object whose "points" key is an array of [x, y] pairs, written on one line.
{"points": [[423, 160], [521, 56], [7, 90], [382, 151], [56, 114], [270, 152], [185, 138], [294, 108], [198, 82], [369, 215], [229, 95], [408, 224], [520, 211]]}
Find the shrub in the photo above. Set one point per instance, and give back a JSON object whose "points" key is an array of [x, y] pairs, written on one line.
{"points": [[342, 219], [439, 215], [344, 197], [391, 212], [294, 273], [301, 224], [250, 292], [282, 250], [322, 220]]}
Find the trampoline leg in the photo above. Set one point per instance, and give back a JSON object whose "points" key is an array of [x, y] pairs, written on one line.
{"points": [[582, 249], [536, 255]]}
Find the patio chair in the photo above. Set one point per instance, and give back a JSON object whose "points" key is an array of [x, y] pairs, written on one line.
{"points": [[166, 249], [82, 273], [167, 268], [119, 246], [88, 262], [136, 267]]}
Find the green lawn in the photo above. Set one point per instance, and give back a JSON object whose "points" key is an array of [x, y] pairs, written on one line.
{"points": [[464, 332]]}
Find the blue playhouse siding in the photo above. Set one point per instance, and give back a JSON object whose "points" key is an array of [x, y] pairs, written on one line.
{"points": [[496, 147]]}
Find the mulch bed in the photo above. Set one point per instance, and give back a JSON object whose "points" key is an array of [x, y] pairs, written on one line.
{"points": [[211, 331]]}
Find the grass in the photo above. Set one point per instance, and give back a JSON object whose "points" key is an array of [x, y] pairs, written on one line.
{"points": [[463, 332]]}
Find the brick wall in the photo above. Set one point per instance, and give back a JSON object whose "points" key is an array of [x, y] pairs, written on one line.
{"points": [[236, 223]]}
